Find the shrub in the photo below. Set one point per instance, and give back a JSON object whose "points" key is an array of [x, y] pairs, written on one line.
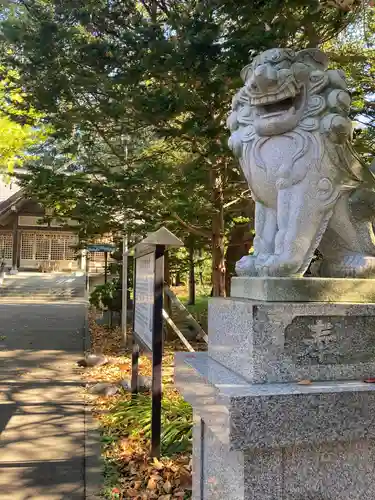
{"points": [[107, 296]]}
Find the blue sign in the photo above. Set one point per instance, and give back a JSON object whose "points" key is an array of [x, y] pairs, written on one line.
{"points": [[99, 247]]}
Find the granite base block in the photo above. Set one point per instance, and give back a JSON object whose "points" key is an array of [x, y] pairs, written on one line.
{"points": [[286, 342], [344, 472], [223, 473], [304, 289], [278, 441], [251, 416]]}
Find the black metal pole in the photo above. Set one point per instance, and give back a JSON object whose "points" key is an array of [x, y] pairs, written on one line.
{"points": [[135, 364], [105, 267], [157, 351], [87, 266], [135, 348]]}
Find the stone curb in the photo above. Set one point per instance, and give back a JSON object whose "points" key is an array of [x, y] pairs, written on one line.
{"points": [[93, 472], [93, 467]]}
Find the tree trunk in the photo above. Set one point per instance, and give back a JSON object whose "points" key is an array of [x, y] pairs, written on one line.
{"points": [[218, 257], [178, 278], [200, 253], [239, 244], [191, 276]]}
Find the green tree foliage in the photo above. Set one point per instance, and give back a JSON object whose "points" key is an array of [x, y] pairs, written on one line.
{"points": [[14, 141], [138, 92], [17, 135], [354, 52]]}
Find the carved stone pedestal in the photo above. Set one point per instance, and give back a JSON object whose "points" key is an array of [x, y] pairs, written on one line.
{"points": [[259, 434]]}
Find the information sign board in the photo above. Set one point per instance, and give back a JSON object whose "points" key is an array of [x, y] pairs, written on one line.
{"points": [[100, 247], [145, 296]]}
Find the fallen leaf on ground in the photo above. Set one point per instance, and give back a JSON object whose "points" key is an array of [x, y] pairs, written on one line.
{"points": [[131, 493], [158, 465], [304, 382], [185, 479], [167, 486], [152, 484], [137, 485]]}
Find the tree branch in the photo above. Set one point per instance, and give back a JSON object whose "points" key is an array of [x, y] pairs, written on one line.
{"points": [[191, 228], [241, 197]]}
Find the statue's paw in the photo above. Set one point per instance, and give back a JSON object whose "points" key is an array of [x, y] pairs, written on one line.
{"points": [[265, 266], [279, 266], [352, 265], [264, 269], [246, 266]]}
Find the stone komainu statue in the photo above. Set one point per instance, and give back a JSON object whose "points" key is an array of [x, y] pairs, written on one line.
{"points": [[290, 129]]}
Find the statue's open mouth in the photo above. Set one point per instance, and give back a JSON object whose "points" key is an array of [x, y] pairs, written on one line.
{"points": [[279, 104]]}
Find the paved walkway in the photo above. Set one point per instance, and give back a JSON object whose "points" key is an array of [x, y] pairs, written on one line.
{"points": [[42, 446], [35, 285]]}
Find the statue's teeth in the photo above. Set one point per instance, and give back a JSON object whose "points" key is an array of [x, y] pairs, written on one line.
{"points": [[287, 93]]}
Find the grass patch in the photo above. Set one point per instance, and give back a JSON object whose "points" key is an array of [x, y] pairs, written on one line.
{"points": [[200, 306], [132, 417], [129, 470], [200, 309]]}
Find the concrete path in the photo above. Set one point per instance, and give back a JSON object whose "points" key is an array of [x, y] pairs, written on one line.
{"points": [[42, 423]]}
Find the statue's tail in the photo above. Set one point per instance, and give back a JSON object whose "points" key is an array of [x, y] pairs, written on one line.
{"points": [[348, 245], [362, 217], [362, 205]]}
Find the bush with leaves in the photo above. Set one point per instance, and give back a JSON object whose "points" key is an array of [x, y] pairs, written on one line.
{"points": [[133, 417], [107, 296]]}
